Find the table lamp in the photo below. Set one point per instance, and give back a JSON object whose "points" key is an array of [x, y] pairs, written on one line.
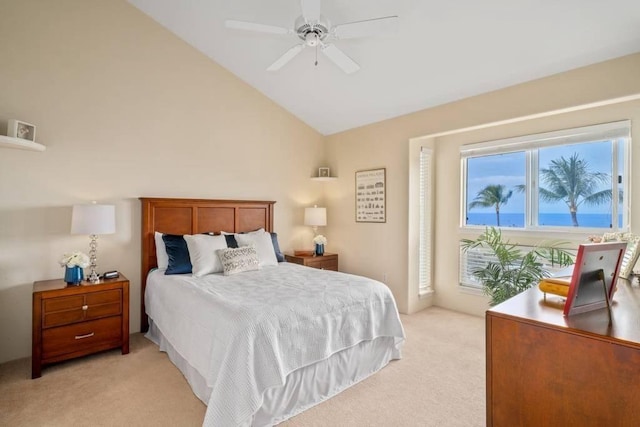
{"points": [[315, 217], [93, 219]]}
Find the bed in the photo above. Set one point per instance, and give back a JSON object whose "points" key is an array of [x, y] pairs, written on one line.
{"points": [[260, 346]]}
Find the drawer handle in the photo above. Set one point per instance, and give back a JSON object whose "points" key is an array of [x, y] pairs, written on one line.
{"points": [[79, 337], [85, 307]]}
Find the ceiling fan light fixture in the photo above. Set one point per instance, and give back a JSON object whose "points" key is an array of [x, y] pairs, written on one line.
{"points": [[312, 39]]}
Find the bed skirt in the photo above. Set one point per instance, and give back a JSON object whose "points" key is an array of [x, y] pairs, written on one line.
{"points": [[305, 387]]}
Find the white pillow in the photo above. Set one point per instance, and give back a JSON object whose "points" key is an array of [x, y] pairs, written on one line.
{"points": [[161, 252], [237, 260], [263, 244], [203, 253]]}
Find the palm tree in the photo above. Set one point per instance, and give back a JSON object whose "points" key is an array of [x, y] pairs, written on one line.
{"points": [[571, 181], [492, 195]]}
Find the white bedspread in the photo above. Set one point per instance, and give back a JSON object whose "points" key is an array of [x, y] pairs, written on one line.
{"points": [[245, 333]]}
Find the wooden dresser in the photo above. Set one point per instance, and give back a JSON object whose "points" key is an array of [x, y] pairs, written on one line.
{"points": [[73, 321], [325, 262], [547, 370]]}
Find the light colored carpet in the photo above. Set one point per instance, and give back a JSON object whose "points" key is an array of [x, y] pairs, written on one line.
{"points": [[440, 381]]}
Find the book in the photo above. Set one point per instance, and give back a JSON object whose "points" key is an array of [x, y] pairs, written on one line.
{"points": [[555, 285]]}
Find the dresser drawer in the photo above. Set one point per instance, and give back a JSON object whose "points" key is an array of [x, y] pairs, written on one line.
{"points": [[81, 337], [77, 308]]}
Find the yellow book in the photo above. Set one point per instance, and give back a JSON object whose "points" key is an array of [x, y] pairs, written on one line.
{"points": [[564, 280], [555, 285]]}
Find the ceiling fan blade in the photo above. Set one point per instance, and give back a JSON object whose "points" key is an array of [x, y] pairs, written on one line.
{"points": [[311, 10], [339, 58], [370, 27], [250, 26], [288, 56]]}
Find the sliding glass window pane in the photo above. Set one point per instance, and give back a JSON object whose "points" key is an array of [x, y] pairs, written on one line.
{"points": [[575, 187], [494, 190]]}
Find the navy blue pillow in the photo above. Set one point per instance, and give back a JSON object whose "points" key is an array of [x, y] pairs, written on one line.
{"points": [[178, 252], [231, 241], [276, 247]]}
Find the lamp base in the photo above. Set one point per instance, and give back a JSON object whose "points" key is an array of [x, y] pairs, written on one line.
{"points": [[93, 258], [93, 277]]}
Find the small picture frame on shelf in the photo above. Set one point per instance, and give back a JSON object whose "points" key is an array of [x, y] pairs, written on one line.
{"points": [[21, 130], [324, 173]]}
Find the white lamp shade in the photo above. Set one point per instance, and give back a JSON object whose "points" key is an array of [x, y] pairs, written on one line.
{"points": [[93, 219], [315, 216]]}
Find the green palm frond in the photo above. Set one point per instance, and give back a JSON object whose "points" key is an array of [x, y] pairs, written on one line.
{"points": [[513, 271]]}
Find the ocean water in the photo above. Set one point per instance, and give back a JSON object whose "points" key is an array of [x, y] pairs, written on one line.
{"points": [[548, 219]]}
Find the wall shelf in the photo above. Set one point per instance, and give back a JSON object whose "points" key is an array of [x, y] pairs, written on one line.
{"points": [[20, 144], [324, 178]]}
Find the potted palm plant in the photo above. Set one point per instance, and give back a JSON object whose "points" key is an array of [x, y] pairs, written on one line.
{"points": [[511, 270]]}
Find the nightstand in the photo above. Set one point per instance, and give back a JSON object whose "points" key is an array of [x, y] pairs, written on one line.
{"points": [[74, 321], [326, 262]]}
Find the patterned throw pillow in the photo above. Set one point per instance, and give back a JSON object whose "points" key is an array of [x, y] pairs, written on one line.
{"points": [[237, 260]]}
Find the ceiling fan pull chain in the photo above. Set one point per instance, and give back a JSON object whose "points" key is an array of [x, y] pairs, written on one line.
{"points": [[316, 64]]}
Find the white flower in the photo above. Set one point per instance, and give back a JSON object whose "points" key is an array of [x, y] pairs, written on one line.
{"points": [[75, 259], [320, 240]]}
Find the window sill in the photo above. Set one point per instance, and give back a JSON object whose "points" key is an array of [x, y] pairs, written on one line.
{"points": [[471, 291], [426, 294]]}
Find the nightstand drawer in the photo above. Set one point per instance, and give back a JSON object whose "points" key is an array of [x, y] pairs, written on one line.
{"points": [[77, 308], [77, 301], [328, 264], [62, 303], [80, 337]]}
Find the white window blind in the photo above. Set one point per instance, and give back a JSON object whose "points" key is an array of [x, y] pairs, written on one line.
{"points": [[471, 260], [426, 220], [478, 258]]}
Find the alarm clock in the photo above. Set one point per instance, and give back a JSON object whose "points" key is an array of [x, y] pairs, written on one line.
{"points": [[111, 275]]}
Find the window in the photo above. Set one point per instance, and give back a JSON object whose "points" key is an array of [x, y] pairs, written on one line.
{"points": [[425, 257], [479, 257], [564, 180]]}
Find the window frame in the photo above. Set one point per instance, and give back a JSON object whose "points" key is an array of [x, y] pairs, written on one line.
{"points": [[617, 132]]}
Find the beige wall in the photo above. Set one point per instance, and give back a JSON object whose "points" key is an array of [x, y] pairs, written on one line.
{"points": [[125, 110], [382, 250]]}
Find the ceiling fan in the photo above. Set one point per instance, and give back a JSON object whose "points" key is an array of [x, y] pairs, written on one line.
{"points": [[315, 31]]}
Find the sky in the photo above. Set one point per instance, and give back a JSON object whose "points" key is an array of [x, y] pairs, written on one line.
{"points": [[509, 170]]}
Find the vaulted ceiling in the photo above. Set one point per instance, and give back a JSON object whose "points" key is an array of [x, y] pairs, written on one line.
{"points": [[442, 51]]}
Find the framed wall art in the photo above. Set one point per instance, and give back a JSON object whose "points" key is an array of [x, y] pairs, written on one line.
{"points": [[22, 130], [371, 195]]}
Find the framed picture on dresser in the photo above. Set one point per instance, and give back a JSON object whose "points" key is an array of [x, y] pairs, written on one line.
{"points": [[594, 277]]}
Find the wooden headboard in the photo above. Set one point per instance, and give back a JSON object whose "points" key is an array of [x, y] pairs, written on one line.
{"points": [[194, 216]]}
